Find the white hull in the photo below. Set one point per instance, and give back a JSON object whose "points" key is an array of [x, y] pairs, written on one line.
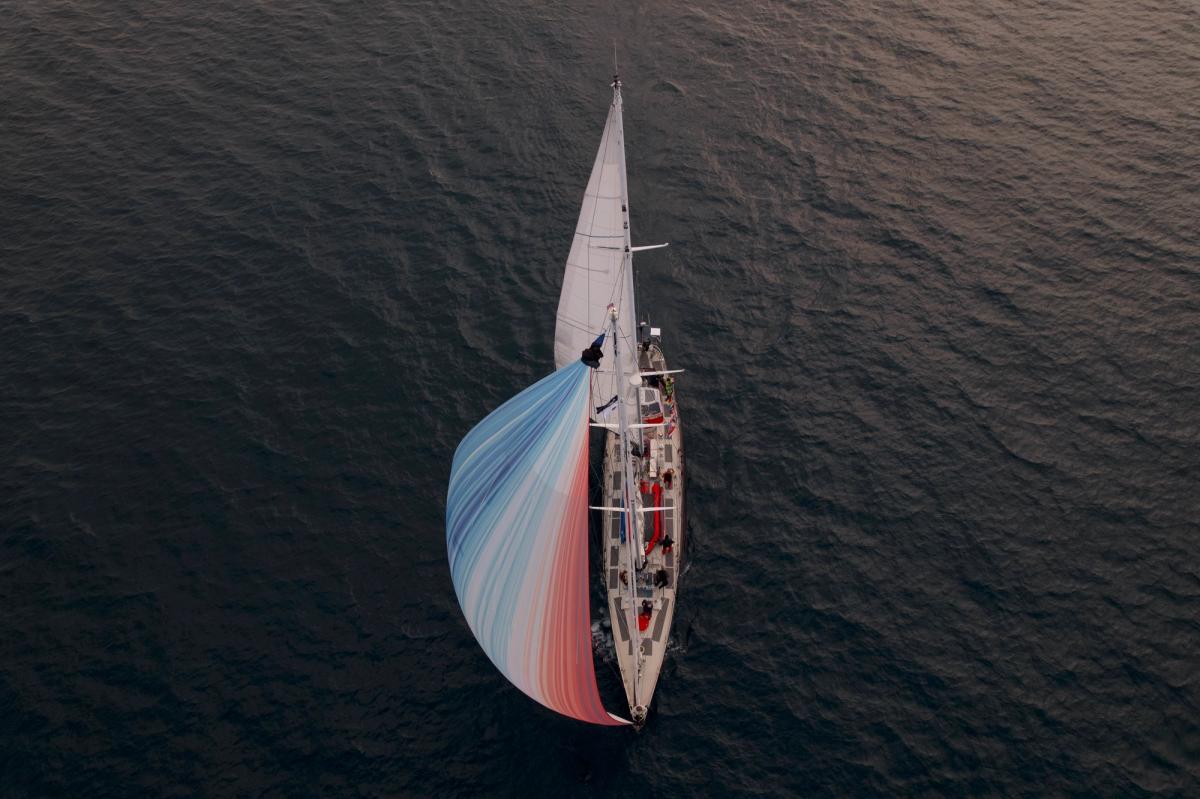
{"points": [[662, 454]]}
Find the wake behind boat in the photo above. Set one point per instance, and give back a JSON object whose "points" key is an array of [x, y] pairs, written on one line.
{"points": [[517, 507]]}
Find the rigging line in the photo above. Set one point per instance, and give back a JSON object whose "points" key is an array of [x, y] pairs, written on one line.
{"points": [[627, 258], [630, 343], [574, 324], [627, 216], [612, 294], [636, 289], [631, 520]]}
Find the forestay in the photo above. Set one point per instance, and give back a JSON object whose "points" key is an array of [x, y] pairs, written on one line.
{"points": [[599, 270], [517, 538]]}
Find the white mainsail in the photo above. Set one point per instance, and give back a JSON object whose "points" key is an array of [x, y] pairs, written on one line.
{"points": [[600, 267]]}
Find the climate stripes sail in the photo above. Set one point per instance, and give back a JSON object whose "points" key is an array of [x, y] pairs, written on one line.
{"points": [[517, 537]]}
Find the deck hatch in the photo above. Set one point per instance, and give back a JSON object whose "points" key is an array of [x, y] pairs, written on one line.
{"points": [[622, 624], [661, 620]]}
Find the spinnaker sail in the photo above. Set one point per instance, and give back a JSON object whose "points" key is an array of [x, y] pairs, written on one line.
{"points": [[517, 538]]}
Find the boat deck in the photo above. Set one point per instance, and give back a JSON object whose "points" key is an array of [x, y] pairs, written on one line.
{"points": [[658, 469]]}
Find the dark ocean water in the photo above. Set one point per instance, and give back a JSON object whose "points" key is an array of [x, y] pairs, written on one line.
{"points": [[935, 276]]}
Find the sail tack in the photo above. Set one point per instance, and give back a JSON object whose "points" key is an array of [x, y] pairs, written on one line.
{"points": [[599, 271], [517, 538]]}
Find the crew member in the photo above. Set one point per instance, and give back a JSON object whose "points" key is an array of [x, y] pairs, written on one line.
{"points": [[643, 618], [592, 355]]}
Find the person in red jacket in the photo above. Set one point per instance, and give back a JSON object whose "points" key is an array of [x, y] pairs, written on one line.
{"points": [[644, 615]]}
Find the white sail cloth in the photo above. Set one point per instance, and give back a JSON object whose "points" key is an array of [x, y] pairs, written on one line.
{"points": [[599, 269]]}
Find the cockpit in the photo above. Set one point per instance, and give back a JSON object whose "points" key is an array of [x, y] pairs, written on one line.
{"points": [[650, 401]]}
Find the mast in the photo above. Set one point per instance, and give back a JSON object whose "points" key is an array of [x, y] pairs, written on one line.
{"points": [[632, 539], [627, 261], [633, 525], [630, 301]]}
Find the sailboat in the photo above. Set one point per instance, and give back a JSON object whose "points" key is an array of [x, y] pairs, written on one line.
{"points": [[517, 507]]}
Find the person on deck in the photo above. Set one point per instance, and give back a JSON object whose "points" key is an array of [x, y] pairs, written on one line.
{"points": [[643, 619], [661, 580]]}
